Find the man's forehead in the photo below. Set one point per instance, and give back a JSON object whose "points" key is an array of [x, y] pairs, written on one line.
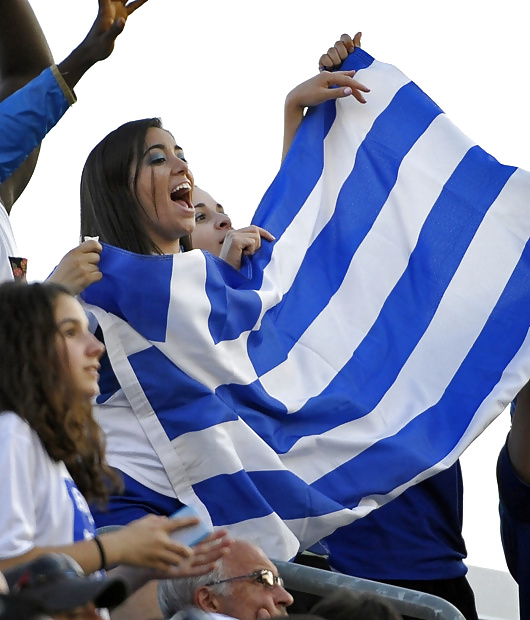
{"points": [[246, 558]]}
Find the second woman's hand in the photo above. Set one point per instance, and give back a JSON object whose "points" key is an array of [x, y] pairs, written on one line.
{"points": [[245, 241]]}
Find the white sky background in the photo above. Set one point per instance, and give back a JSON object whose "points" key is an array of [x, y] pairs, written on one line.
{"points": [[217, 74]]}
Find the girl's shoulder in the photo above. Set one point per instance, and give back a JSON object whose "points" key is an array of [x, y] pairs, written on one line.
{"points": [[12, 425]]}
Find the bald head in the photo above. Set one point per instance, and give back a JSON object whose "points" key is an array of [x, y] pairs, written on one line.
{"points": [[242, 555]]}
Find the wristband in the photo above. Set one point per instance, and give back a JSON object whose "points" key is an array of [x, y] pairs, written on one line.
{"points": [[101, 550]]}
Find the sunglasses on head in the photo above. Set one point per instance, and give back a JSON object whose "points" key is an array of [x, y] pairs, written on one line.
{"points": [[264, 576]]}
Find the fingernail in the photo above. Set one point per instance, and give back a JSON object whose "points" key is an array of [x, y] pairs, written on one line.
{"points": [[348, 90]]}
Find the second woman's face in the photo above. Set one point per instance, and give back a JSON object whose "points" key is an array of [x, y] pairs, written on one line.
{"points": [[78, 347], [211, 223], [164, 191]]}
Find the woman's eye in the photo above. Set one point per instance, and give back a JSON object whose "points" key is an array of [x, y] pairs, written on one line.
{"points": [[199, 217], [159, 159], [69, 333]]}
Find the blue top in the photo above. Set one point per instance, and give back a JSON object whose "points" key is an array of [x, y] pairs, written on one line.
{"points": [[514, 509], [28, 114], [417, 536]]}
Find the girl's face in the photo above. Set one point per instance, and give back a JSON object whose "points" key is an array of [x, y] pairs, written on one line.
{"points": [[211, 223], [164, 190], [79, 349]]}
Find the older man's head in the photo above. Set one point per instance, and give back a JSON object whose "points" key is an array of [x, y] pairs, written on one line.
{"points": [[245, 585]]}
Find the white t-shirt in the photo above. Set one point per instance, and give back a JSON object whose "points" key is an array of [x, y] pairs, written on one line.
{"points": [[40, 504], [7, 246]]}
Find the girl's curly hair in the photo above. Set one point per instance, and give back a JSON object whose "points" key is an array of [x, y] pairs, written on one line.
{"points": [[36, 385]]}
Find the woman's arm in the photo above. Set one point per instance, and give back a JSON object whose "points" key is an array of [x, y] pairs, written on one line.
{"points": [[99, 42], [145, 544], [322, 87], [24, 51]]}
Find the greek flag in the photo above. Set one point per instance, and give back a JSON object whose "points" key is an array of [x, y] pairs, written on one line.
{"points": [[359, 353]]}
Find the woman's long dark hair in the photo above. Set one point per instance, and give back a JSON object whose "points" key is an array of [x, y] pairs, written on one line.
{"points": [[35, 384], [110, 210]]}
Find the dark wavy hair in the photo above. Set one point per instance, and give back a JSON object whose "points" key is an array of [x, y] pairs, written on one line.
{"points": [[35, 385], [110, 209]]}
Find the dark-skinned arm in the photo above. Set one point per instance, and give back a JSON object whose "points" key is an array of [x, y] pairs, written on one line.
{"points": [[24, 54], [35, 104]]}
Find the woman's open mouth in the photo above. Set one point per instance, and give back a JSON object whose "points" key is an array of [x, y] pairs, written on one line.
{"points": [[182, 195]]}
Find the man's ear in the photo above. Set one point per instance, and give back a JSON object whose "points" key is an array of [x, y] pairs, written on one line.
{"points": [[206, 599]]}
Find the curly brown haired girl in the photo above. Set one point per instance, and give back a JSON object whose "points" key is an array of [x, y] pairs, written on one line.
{"points": [[52, 454]]}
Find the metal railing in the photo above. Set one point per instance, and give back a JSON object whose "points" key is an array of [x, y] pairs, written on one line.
{"points": [[407, 602]]}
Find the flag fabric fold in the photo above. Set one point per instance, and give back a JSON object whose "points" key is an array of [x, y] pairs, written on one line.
{"points": [[359, 353]]}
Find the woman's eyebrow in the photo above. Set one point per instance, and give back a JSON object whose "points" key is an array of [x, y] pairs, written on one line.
{"points": [[154, 146], [68, 320]]}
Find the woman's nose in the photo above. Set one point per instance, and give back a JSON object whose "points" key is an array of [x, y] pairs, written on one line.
{"points": [[223, 221], [179, 166], [95, 347]]}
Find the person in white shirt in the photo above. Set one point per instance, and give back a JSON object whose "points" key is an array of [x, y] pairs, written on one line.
{"points": [[52, 456]]}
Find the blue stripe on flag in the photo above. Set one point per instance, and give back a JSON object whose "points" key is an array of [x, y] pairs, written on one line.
{"points": [[233, 311], [231, 498], [181, 393], [249, 495], [286, 492], [124, 271], [268, 417]]}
